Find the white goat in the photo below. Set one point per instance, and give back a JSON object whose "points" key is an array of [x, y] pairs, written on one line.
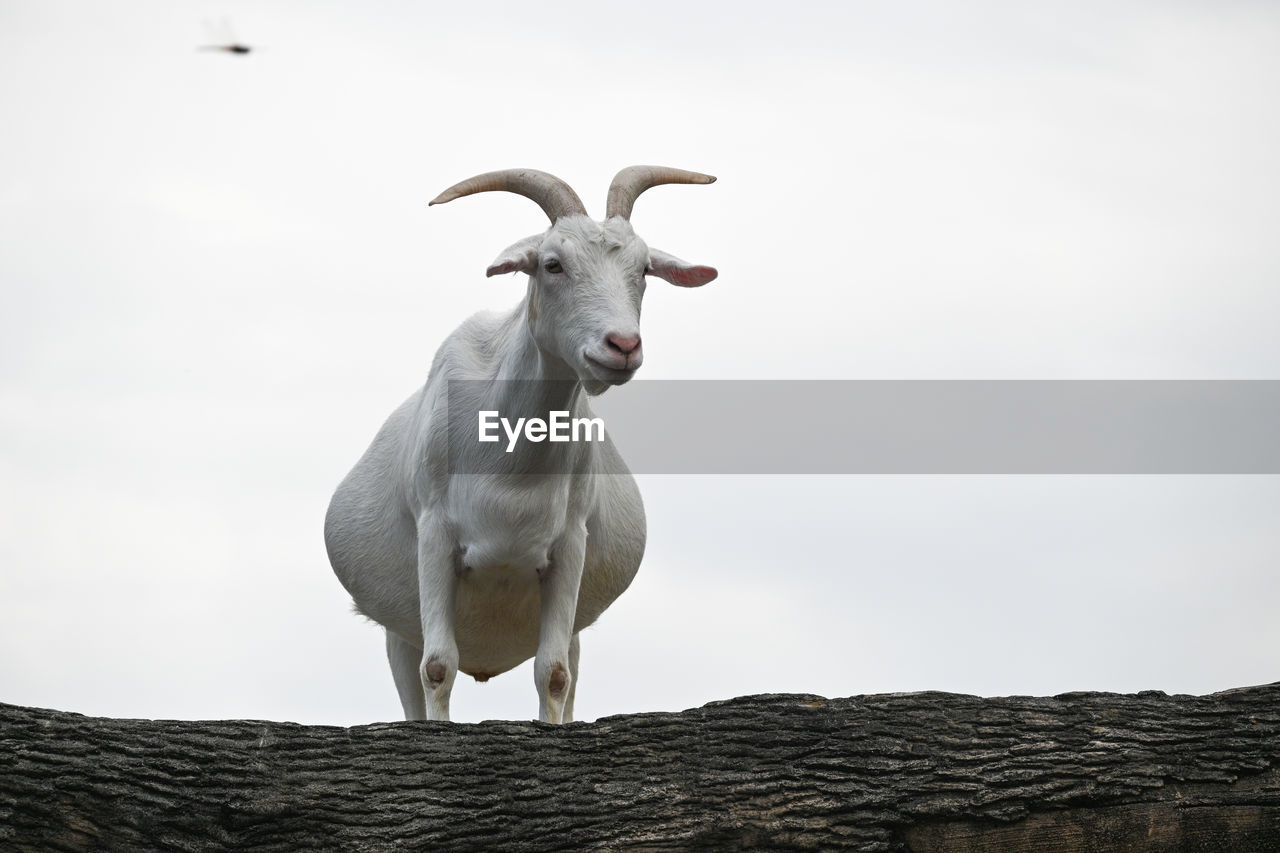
{"points": [[477, 572]]}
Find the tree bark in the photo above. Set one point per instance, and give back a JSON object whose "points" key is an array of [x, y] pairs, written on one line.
{"points": [[902, 772]]}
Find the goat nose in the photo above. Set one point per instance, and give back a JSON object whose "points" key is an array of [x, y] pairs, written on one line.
{"points": [[625, 344]]}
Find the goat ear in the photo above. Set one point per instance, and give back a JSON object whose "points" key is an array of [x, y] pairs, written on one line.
{"points": [[518, 257], [678, 272]]}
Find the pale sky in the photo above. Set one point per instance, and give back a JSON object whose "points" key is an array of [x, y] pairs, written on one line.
{"points": [[220, 275]]}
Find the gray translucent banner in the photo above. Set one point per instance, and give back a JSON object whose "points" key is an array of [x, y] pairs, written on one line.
{"points": [[888, 427]]}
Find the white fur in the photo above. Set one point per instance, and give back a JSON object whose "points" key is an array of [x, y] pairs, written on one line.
{"points": [[476, 573]]}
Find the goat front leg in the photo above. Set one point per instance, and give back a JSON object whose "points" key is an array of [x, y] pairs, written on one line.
{"points": [[555, 666], [437, 585]]}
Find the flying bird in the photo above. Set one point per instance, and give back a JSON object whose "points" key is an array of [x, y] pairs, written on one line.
{"points": [[225, 41], [227, 48]]}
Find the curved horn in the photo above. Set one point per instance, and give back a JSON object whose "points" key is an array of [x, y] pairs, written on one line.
{"points": [[633, 180], [554, 196]]}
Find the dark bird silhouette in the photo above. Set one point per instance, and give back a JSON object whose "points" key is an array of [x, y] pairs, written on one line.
{"points": [[224, 41], [227, 48]]}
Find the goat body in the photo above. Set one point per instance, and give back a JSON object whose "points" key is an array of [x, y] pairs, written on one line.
{"points": [[474, 561]]}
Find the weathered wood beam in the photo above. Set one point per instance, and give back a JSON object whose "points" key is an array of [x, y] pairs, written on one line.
{"points": [[912, 772]]}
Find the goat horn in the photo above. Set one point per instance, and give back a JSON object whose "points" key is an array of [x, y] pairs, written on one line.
{"points": [[554, 196], [633, 180]]}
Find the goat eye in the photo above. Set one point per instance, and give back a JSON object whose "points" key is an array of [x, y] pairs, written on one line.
{"points": [[553, 266]]}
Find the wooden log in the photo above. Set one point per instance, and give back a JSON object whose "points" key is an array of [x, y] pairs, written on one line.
{"points": [[902, 772]]}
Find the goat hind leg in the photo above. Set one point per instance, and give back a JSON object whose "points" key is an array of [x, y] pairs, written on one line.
{"points": [[574, 652], [404, 658]]}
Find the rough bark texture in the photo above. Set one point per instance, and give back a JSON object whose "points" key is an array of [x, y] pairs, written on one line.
{"points": [[911, 772]]}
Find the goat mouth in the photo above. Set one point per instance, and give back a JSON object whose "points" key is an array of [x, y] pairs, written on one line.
{"points": [[604, 373]]}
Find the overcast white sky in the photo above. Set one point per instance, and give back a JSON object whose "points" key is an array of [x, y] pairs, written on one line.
{"points": [[220, 275]]}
